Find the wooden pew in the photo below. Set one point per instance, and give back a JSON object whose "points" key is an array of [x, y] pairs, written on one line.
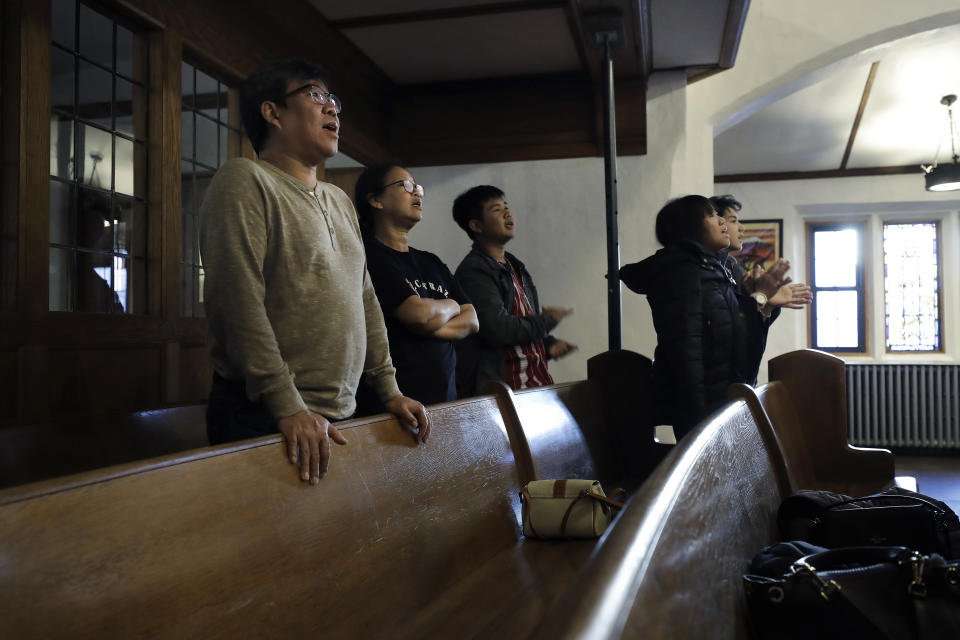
{"points": [[671, 567], [34, 452], [558, 431], [396, 541], [805, 406]]}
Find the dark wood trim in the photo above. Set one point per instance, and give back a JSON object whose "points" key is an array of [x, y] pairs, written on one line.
{"points": [[816, 175], [34, 184], [644, 36], [573, 12], [474, 11], [732, 32], [163, 257], [282, 29], [537, 117], [10, 187], [863, 105]]}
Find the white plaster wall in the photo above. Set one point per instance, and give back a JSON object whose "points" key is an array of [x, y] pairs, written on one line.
{"points": [[560, 204], [561, 228], [875, 198]]}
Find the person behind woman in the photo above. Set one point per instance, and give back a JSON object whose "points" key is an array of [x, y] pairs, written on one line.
{"points": [[424, 307], [706, 327]]}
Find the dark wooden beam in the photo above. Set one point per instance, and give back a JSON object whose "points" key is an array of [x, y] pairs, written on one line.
{"points": [[856, 121], [474, 11], [732, 31], [729, 45], [536, 118], [210, 31], [814, 175], [574, 13]]}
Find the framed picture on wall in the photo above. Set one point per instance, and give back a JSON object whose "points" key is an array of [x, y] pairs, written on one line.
{"points": [[762, 243]]}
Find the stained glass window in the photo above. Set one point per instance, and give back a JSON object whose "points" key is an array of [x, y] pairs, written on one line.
{"points": [[838, 309], [911, 286]]}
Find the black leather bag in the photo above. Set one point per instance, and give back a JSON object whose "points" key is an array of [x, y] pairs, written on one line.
{"points": [[895, 517], [862, 593]]}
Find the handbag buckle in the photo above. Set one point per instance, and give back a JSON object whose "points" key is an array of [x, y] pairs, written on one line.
{"points": [[917, 588], [827, 587], [953, 575]]}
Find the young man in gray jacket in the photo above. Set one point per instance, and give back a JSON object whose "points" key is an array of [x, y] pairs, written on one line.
{"points": [[292, 317], [514, 341]]}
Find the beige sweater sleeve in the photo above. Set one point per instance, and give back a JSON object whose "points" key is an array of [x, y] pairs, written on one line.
{"points": [[234, 238]]}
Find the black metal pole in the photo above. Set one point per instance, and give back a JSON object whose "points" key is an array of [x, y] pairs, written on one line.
{"points": [[610, 171]]}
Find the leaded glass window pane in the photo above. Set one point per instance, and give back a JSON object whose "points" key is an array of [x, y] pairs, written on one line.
{"points": [[911, 286], [210, 129], [98, 162]]}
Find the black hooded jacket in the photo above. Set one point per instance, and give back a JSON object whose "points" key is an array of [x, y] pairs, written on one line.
{"points": [[708, 334]]}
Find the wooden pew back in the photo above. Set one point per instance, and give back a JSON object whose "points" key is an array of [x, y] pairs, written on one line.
{"points": [[228, 541], [558, 431], [35, 452], [672, 565], [806, 404]]}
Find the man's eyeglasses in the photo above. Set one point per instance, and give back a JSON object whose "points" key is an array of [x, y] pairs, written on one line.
{"points": [[409, 186], [318, 95]]}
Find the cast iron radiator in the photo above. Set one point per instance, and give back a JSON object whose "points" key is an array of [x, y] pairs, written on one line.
{"points": [[903, 405]]}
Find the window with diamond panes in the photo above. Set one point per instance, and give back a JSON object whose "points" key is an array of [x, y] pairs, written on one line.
{"points": [[210, 130], [98, 158], [911, 279]]}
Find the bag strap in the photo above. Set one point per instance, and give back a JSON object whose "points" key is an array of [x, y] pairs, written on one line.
{"points": [[566, 514], [833, 594], [525, 496], [607, 500], [887, 496]]}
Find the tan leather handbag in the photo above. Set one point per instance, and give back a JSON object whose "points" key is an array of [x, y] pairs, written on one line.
{"points": [[566, 509]]}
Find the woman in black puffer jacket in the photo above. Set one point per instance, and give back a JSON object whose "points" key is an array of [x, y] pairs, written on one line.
{"points": [[706, 329]]}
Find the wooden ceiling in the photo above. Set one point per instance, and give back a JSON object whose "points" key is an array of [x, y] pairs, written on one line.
{"points": [[433, 82]]}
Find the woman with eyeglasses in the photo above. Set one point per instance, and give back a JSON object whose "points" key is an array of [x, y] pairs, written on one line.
{"points": [[424, 307]]}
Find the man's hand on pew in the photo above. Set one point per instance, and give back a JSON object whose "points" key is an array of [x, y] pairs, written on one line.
{"points": [[411, 414], [312, 434]]}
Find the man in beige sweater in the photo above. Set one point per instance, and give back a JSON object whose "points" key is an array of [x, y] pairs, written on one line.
{"points": [[292, 317]]}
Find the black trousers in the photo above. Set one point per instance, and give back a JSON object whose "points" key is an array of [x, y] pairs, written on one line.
{"points": [[232, 416]]}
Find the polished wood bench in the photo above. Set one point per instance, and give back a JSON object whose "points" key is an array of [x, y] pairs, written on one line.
{"points": [[805, 405], [396, 541], [600, 428], [671, 568], [34, 452]]}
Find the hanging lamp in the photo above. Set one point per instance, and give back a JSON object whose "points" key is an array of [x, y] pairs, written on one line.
{"points": [[945, 177]]}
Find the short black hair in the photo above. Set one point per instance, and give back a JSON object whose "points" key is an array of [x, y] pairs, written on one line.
{"points": [[469, 205], [270, 82], [682, 219], [722, 203], [369, 182]]}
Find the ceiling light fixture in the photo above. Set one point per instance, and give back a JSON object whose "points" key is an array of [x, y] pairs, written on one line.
{"points": [[946, 177]]}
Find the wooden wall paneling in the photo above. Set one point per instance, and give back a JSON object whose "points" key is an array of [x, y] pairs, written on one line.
{"points": [[170, 364], [196, 373], [631, 105], [104, 380], [283, 29], [32, 389], [346, 179], [495, 121], [9, 400], [164, 205], [10, 158], [34, 184]]}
